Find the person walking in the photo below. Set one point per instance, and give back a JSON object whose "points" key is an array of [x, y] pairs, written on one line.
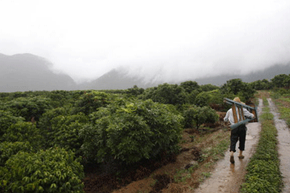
{"points": [[239, 133]]}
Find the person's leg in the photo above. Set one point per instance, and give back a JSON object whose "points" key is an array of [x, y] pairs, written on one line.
{"points": [[232, 160], [242, 140], [234, 139]]}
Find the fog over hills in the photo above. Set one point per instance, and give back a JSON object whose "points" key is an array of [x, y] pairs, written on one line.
{"points": [[24, 72], [27, 72]]}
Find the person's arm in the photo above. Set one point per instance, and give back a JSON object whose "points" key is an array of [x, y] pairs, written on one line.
{"points": [[248, 114], [226, 118]]}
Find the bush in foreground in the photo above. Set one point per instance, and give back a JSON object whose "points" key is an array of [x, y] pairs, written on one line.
{"points": [[129, 132], [53, 170]]}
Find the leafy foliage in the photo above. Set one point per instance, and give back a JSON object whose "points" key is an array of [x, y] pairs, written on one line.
{"points": [[202, 99], [64, 131], [131, 131], [53, 170], [135, 91], [261, 84], [208, 87], [31, 107], [7, 119], [196, 116], [7, 149], [281, 80], [167, 94], [24, 132], [238, 88], [91, 101], [189, 86]]}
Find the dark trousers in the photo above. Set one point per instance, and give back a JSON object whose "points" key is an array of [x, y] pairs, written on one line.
{"points": [[238, 134]]}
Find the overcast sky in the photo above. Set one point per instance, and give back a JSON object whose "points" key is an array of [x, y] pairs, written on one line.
{"points": [[162, 39]]}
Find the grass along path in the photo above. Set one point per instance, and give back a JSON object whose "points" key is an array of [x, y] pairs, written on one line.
{"points": [[283, 140], [263, 173]]}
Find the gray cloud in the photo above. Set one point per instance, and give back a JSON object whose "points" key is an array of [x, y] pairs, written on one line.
{"points": [[158, 40]]}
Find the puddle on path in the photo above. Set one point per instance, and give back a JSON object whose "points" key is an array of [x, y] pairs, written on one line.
{"points": [[283, 145], [228, 177]]}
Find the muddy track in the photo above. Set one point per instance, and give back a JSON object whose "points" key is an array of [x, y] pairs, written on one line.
{"points": [[228, 177], [283, 145]]}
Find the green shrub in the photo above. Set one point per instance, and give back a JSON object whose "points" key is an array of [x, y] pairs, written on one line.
{"points": [[131, 132], [7, 149], [196, 116], [45, 120], [167, 94], [24, 132], [64, 131], [31, 107], [6, 120], [202, 99], [53, 170], [90, 102]]}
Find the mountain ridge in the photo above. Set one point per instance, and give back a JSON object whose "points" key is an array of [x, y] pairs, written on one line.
{"points": [[28, 72], [25, 72]]}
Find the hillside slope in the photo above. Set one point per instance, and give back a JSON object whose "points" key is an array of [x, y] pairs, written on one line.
{"points": [[24, 72]]}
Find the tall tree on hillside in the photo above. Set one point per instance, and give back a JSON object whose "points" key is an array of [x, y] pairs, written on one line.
{"points": [[167, 94], [280, 80], [238, 87], [189, 86]]}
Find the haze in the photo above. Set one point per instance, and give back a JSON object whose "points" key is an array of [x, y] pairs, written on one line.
{"points": [[159, 40]]}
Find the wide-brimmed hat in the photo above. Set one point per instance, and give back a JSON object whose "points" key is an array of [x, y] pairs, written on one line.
{"points": [[237, 99]]}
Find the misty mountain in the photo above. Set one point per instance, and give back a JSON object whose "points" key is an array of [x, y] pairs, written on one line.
{"points": [[25, 72], [267, 73], [116, 79], [120, 80]]}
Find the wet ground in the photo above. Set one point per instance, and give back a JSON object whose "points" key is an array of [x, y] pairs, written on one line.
{"points": [[228, 177], [283, 146]]}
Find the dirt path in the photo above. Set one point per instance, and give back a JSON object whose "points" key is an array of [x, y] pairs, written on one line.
{"points": [[228, 177], [283, 145]]}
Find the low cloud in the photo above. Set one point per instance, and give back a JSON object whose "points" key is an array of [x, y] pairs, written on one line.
{"points": [[157, 40]]}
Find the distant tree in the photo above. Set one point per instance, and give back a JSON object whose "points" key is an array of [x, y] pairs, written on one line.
{"points": [[192, 96], [30, 107], [238, 88], [208, 87], [90, 102], [233, 86], [135, 91], [281, 80], [167, 94], [202, 99], [287, 82], [196, 116], [261, 84], [189, 86]]}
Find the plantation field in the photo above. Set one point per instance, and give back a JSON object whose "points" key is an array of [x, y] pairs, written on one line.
{"points": [[169, 138]]}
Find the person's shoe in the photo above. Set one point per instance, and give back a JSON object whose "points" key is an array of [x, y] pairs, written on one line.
{"points": [[241, 157], [232, 160]]}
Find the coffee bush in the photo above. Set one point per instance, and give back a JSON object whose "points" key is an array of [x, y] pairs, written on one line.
{"points": [[53, 170]]}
